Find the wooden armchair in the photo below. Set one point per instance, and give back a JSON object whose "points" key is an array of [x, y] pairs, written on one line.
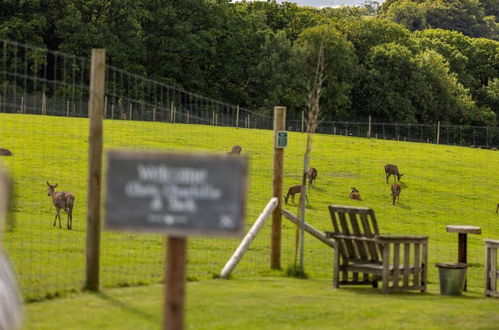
{"points": [[363, 256]]}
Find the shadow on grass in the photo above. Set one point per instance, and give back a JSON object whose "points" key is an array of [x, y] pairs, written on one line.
{"points": [[413, 295], [124, 306]]}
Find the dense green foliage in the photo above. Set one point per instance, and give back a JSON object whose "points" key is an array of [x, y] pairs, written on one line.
{"points": [[415, 61]]}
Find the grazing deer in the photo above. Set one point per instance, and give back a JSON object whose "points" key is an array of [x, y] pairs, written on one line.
{"points": [[311, 175], [355, 194], [62, 200], [236, 150], [396, 189], [392, 170], [292, 191]]}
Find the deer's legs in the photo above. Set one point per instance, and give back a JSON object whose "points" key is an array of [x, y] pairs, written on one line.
{"points": [[70, 219], [59, 216], [55, 219]]}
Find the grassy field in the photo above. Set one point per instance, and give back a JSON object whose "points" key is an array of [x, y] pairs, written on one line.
{"points": [[268, 303], [441, 185]]}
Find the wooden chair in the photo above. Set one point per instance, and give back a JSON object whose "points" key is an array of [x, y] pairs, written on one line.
{"points": [[400, 262], [491, 270]]}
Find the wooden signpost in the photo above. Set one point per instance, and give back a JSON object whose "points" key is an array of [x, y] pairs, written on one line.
{"points": [[179, 195]]}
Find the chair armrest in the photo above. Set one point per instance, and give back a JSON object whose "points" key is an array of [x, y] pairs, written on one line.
{"points": [[401, 239]]}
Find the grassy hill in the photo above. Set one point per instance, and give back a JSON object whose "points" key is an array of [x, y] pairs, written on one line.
{"points": [[441, 185]]}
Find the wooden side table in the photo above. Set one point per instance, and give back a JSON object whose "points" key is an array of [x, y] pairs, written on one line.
{"points": [[463, 232], [491, 271]]}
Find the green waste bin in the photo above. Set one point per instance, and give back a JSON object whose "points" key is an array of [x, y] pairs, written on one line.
{"points": [[452, 278]]}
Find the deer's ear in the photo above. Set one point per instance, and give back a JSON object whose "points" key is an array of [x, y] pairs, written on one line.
{"points": [[48, 184], [56, 185]]}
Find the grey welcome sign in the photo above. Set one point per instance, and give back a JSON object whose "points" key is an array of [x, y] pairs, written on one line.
{"points": [[177, 194]]}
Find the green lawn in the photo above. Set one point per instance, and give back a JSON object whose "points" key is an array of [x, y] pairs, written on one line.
{"points": [[441, 185], [268, 303]]}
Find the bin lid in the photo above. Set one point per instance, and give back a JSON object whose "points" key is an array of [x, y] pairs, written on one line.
{"points": [[451, 266]]}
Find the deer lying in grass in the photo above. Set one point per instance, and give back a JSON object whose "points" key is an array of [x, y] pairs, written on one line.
{"points": [[5, 152], [292, 191], [62, 200], [396, 189], [311, 175], [236, 150], [355, 194], [392, 170]]}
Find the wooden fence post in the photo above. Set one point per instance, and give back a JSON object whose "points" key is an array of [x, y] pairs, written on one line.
{"points": [[44, 104], [302, 120], [237, 117], [67, 108], [154, 113], [175, 283], [277, 178], [438, 132], [96, 104], [130, 117], [369, 131]]}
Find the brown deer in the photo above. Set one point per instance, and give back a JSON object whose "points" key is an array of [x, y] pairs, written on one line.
{"points": [[392, 170], [311, 175], [236, 150], [62, 200], [355, 194], [396, 189], [292, 191], [5, 152]]}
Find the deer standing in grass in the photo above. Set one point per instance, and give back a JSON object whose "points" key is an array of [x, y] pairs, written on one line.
{"points": [[236, 150], [392, 170], [62, 200], [355, 194], [311, 175], [292, 191], [396, 189]]}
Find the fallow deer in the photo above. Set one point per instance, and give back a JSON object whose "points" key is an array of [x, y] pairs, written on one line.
{"points": [[62, 200], [396, 189], [392, 170], [355, 194], [292, 191], [5, 152], [236, 150], [311, 175]]}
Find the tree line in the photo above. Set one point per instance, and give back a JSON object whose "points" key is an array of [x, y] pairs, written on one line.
{"points": [[400, 62]]}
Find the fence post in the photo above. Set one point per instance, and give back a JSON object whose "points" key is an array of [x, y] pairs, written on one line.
{"points": [[237, 117], [369, 128], [96, 104], [171, 112], [302, 120], [154, 113], [438, 132], [249, 122], [67, 108], [187, 116], [277, 178], [44, 104], [130, 116], [22, 104]]}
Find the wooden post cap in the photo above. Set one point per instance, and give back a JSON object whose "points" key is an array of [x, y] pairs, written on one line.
{"points": [[464, 229]]}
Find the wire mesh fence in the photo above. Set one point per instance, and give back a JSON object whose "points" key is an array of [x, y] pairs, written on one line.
{"points": [[43, 121]]}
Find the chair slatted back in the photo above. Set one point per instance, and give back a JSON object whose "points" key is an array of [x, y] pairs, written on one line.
{"points": [[355, 229]]}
